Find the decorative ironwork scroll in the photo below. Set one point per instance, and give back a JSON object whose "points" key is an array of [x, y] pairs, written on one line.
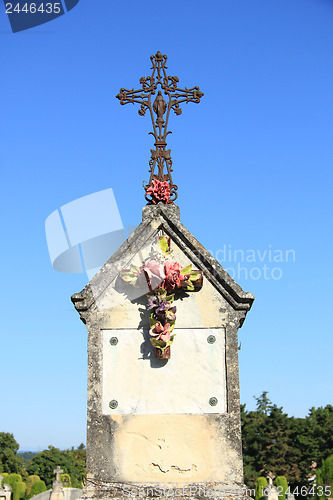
{"points": [[160, 186]]}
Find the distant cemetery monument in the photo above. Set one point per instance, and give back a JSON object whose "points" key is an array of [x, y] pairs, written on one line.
{"points": [[162, 318], [58, 491]]}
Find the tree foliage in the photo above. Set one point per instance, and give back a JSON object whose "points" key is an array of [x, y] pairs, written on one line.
{"points": [[26, 456], [10, 462], [66, 480], [29, 483], [282, 484], [325, 477], [72, 462], [261, 484], [286, 446], [38, 487], [17, 485]]}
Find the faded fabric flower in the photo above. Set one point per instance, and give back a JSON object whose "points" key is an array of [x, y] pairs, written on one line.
{"points": [[155, 274], [159, 191], [173, 278], [160, 332]]}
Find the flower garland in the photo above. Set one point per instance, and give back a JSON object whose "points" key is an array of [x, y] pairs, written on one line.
{"points": [[164, 277]]}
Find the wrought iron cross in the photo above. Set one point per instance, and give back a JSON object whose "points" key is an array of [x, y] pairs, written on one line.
{"points": [[153, 85]]}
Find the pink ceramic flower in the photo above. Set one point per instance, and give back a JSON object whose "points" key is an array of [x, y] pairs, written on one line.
{"points": [[160, 332], [173, 278], [155, 274], [159, 191]]}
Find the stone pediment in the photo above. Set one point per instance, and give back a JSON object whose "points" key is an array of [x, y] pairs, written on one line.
{"points": [[163, 218]]}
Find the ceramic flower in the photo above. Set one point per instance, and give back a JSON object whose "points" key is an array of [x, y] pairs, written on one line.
{"points": [[159, 191], [173, 278], [155, 274], [160, 332]]}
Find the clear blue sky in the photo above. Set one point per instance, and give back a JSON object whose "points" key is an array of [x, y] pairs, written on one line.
{"points": [[253, 163]]}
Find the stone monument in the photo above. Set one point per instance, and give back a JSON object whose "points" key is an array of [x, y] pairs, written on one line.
{"points": [[162, 318], [57, 486], [58, 492]]}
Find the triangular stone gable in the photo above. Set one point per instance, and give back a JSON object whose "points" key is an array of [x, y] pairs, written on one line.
{"points": [[98, 292]]}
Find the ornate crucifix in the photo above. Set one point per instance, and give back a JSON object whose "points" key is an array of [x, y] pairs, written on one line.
{"points": [[160, 186]]}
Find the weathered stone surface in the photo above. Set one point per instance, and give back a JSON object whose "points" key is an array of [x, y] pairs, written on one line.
{"points": [[176, 438], [68, 494]]}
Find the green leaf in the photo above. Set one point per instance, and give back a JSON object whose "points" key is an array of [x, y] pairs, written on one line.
{"points": [[128, 278], [161, 292], [172, 327], [190, 287], [152, 322], [186, 270], [158, 343], [170, 298], [163, 244], [195, 276]]}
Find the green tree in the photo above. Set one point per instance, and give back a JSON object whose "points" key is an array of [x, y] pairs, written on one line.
{"points": [[5, 477], [261, 484], [29, 482], [66, 480], [281, 483], [17, 485], [267, 445], [26, 456], [77, 467], [324, 477], [10, 462], [313, 438], [264, 405], [44, 463], [327, 470], [72, 462], [38, 487]]}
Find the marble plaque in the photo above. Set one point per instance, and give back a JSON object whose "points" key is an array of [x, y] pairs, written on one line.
{"points": [[192, 381]]}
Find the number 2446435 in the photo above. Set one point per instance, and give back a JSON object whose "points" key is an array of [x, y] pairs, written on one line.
{"points": [[32, 8]]}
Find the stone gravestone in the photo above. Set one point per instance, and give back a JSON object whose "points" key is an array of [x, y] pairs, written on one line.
{"points": [[162, 318], [58, 492], [57, 486]]}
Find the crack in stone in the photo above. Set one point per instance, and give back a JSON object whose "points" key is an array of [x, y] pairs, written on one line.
{"points": [[157, 465], [143, 437], [184, 470]]}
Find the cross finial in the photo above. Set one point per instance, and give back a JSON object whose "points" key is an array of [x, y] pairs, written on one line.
{"points": [[57, 471], [160, 186]]}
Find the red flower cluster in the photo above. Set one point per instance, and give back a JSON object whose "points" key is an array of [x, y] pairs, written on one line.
{"points": [[159, 191]]}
